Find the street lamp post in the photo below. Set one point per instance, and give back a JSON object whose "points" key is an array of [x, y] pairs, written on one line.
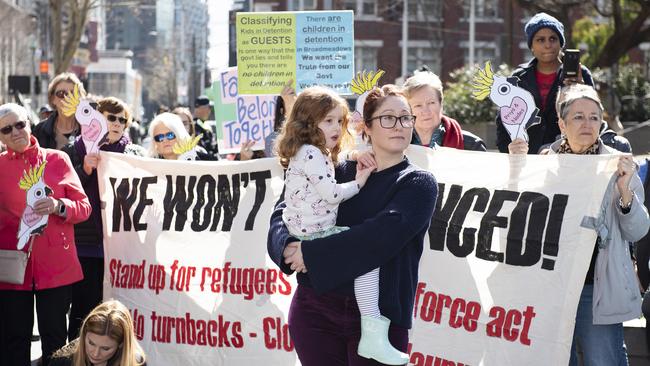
{"points": [[472, 31], [32, 74], [405, 38]]}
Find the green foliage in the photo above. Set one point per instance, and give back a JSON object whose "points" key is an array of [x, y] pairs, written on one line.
{"points": [[594, 36], [459, 103], [633, 90]]}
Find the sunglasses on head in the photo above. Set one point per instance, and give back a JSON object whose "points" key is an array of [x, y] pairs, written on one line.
{"points": [[18, 125], [160, 137], [61, 94], [114, 118]]}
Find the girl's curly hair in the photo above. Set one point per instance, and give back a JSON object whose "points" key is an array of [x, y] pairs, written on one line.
{"points": [[311, 107]]}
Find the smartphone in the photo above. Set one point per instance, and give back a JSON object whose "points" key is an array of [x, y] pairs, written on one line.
{"points": [[571, 62]]}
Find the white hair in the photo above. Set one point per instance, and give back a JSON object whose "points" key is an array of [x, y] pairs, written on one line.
{"points": [[171, 121], [17, 110], [421, 79]]}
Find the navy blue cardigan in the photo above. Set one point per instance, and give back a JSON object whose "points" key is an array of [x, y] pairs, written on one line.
{"points": [[388, 220]]}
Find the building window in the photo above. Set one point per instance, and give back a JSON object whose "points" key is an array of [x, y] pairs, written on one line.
{"points": [[365, 54], [361, 8], [483, 9], [527, 54], [424, 10], [483, 51], [423, 52], [306, 5]]}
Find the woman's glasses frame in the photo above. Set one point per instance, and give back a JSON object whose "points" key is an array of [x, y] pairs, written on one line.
{"points": [[389, 121]]}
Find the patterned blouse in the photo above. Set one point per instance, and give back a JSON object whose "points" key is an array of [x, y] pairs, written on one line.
{"points": [[311, 192]]}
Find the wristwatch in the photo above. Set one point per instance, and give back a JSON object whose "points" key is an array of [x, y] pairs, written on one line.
{"points": [[625, 208], [60, 209]]}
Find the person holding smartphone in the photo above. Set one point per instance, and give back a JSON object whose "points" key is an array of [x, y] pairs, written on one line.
{"points": [[543, 76]]}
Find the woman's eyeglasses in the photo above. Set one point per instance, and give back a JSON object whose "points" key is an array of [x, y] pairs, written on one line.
{"points": [[114, 118], [61, 94], [388, 121], [161, 137], [8, 128]]}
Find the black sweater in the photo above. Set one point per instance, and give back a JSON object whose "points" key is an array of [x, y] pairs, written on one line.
{"points": [[388, 220]]}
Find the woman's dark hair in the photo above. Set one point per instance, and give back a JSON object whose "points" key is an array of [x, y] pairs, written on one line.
{"points": [[280, 111], [115, 106], [376, 97]]}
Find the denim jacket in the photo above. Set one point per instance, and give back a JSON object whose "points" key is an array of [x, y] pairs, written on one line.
{"points": [[616, 296]]}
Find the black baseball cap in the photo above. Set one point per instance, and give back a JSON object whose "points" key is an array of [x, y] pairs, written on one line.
{"points": [[202, 100]]}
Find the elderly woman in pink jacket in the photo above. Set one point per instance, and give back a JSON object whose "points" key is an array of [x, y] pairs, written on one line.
{"points": [[39, 192]]}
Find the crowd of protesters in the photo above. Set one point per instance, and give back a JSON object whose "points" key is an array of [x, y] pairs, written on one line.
{"points": [[65, 271]]}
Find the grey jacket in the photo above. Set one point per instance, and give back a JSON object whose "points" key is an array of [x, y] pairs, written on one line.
{"points": [[616, 296]]}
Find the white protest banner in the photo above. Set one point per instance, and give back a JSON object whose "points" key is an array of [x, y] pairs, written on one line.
{"points": [[185, 247], [185, 251], [506, 258]]}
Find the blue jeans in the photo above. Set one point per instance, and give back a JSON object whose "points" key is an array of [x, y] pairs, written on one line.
{"points": [[601, 345]]}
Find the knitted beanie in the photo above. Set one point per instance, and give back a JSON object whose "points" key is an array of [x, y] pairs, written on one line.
{"points": [[543, 20]]}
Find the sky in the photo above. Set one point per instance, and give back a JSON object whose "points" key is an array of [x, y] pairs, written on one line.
{"points": [[218, 51]]}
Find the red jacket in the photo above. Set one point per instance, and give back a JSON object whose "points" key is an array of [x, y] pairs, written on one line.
{"points": [[53, 262]]}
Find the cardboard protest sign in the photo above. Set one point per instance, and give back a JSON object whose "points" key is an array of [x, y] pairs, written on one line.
{"points": [[516, 105], [500, 275], [94, 127], [35, 189], [240, 118], [312, 48], [361, 85], [186, 149]]}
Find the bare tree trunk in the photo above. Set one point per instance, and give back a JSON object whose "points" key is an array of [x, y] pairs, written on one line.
{"points": [[626, 36], [77, 12], [57, 18]]}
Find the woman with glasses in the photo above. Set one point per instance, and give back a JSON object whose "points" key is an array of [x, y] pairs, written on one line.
{"points": [[610, 294], [386, 230], [165, 130], [59, 130], [53, 266], [88, 234], [433, 128]]}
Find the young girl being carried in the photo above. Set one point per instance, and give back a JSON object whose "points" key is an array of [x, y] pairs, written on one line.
{"points": [[308, 148]]}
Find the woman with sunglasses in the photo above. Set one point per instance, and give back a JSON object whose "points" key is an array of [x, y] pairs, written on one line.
{"points": [[59, 130], [165, 130], [88, 234], [53, 265]]}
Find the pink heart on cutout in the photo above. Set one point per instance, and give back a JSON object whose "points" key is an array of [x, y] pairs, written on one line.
{"points": [[30, 217], [514, 114], [91, 130]]}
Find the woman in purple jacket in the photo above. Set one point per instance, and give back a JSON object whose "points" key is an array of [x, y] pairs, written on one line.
{"points": [[89, 235]]}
